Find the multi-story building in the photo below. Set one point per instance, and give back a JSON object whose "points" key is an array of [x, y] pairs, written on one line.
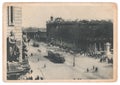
{"points": [[14, 25], [83, 36], [17, 63]]}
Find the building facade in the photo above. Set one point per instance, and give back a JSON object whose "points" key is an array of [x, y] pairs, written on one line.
{"points": [[83, 36], [37, 34], [14, 30]]}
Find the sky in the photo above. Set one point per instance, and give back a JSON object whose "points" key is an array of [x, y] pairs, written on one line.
{"points": [[36, 15]]}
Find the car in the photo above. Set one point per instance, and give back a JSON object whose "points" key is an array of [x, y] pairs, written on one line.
{"points": [[35, 44]]}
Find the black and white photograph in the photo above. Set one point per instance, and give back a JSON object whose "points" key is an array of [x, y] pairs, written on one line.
{"points": [[60, 42]]}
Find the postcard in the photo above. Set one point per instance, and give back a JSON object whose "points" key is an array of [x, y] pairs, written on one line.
{"points": [[59, 42]]}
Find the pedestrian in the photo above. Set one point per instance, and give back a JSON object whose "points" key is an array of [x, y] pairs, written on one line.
{"points": [[44, 65], [93, 67], [101, 60], [37, 78], [31, 71], [38, 59], [96, 69], [31, 54], [28, 41], [87, 70], [41, 78], [31, 78]]}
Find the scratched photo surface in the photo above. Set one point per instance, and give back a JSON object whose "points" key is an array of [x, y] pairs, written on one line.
{"points": [[59, 42]]}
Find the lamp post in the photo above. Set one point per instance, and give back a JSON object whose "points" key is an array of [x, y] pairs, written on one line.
{"points": [[73, 60]]}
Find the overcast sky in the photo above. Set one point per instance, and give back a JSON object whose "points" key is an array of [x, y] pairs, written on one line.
{"points": [[37, 15]]}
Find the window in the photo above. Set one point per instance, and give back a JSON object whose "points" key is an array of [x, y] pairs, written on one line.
{"points": [[10, 10]]}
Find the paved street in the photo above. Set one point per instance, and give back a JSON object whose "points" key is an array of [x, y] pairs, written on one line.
{"points": [[43, 67]]}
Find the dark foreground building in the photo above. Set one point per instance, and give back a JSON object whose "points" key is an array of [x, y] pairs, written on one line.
{"points": [[82, 36], [17, 62]]}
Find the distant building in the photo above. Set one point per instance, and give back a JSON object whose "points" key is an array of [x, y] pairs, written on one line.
{"points": [[38, 34], [83, 36]]}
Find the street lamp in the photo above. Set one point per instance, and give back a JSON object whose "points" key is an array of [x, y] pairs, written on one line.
{"points": [[73, 60]]}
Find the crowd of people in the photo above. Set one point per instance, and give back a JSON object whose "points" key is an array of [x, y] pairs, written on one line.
{"points": [[29, 76], [93, 69]]}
